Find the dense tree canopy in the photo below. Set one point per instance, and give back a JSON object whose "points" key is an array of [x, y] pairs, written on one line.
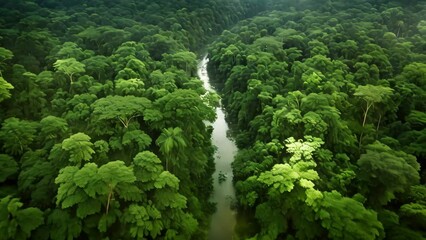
{"points": [[326, 99], [104, 128]]}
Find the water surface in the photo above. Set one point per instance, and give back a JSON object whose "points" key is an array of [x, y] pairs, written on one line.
{"points": [[224, 219]]}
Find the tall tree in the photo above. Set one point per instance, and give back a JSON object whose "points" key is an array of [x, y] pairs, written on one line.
{"points": [[171, 142]]}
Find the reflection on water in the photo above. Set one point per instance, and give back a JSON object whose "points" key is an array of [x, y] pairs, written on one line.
{"points": [[223, 220]]}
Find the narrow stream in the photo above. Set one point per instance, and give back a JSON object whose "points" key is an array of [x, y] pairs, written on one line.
{"points": [[224, 219]]}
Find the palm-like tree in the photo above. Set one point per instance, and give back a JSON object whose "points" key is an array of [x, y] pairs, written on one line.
{"points": [[171, 142]]}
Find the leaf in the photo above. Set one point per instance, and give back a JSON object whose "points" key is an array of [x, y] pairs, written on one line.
{"points": [[129, 192], [116, 172], [88, 207], [68, 192], [76, 197], [8, 167], [167, 179], [85, 175], [101, 146], [347, 218], [62, 226], [15, 222], [5, 87], [114, 108], [142, 139], [29, 219], [106, 221], [79, 147], [17, 135], [169, 198], [53, 127], [282, 177], [69, 66], [306, 183]]}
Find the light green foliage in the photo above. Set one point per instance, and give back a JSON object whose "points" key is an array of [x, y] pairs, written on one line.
{"points": [[302, 150], [268, 44], [181, 105], [69, 67], [161, 80], [421, 26], [144, 221], [289, 186], [119, 109], [282, 178], [372, 95], [69, 50], [147, 168], [417, 119], [345, 80], [79, 147], [5, 54], [138, 137], [171, 142], [5, 87], [16, 222], [88, 187], [17, 135], [131, 86], [184, 60], [343, 72]]}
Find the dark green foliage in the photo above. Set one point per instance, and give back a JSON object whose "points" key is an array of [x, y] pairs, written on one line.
{"points": [[349, 76], [15, 222], [84, 83]]}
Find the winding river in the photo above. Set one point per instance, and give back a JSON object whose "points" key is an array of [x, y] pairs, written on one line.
{"points": [[224, 219]]}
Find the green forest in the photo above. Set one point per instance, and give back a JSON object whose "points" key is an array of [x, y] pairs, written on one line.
{"points": [[103, 130]]}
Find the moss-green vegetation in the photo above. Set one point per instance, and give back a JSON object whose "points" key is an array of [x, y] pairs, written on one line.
{"points": [[102, 130], [327, 99]]}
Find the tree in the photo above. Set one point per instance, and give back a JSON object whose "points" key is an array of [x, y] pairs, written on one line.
{"points": [[36, 178], [52, 129], [346, 218], [171, 143], [15, 222], [124, 109], [184, 60], [97, 66], [372, 95], [5, 54], [133, 86], [290, 189], [383, 172], [4, 89], [79, 147], [69, 67], [179, 106], [62, 226], [17, 135]]}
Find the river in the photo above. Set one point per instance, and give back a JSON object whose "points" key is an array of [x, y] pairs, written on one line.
{"points": [[224, 219]]}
